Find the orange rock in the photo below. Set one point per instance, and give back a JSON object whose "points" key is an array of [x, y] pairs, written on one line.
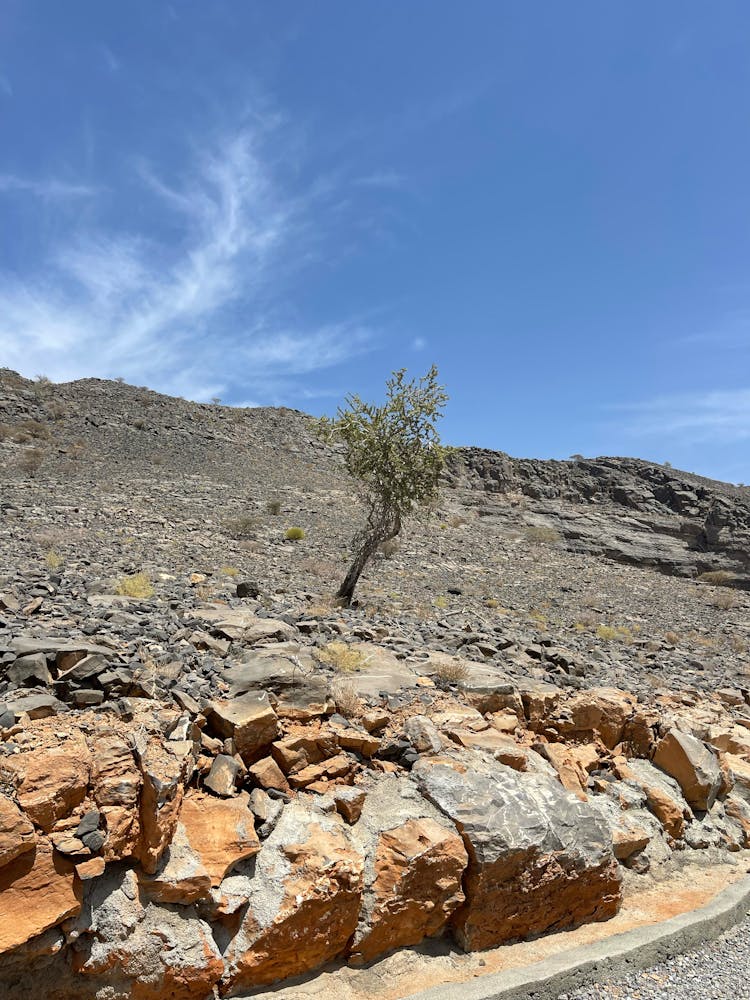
{"points": [[296, 752], [249, 721], [690, 762], [38, 891], [116, 785], [51, 782], [166, 767], [211, 836], [336, 767], [665, 806], [267, 774], [599, 712], [417, 887], [364, 743], [627, 841], [569, 771], [220, 831], [303, 901], [152, 952], [92, 868], [16, 832]]}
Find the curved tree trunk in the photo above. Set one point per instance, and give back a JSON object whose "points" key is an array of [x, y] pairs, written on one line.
{"points": [[381, 526]]}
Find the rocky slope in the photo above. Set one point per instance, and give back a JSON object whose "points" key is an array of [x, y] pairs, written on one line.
{"points": [[212, 779]]}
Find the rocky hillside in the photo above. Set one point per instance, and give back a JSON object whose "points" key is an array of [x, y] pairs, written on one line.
{"points": [[212, 779]]}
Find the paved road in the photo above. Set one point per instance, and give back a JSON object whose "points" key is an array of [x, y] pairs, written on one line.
{"points": [[719, 970]]}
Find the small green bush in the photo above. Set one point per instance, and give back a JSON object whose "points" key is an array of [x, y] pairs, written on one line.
{"points": [[294, 534]]}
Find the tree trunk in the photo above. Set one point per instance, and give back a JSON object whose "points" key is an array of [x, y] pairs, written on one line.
{"points": [[380, 529]]}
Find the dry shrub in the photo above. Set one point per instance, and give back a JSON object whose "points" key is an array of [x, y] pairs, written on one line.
{"points": [[718, 578], [53, 560], [724, 600], [342, 657], [452, 671], [538, 534], [346, 698], [273, 507], [242, 526], [56, 410], [325, 569], [389, 548], [612, 633], [135, 585], [31, 461], [672, 638], [31, 430], [457, 521], [737, 644]]}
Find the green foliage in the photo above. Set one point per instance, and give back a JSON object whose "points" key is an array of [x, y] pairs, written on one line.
{"points": [[394, 450], [294, 534]]}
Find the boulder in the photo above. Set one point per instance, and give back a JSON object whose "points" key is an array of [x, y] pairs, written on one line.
{"points": [[414, 864], [30, 670], [166, 767], [266, 773], [423, 735], [302, 902], [539, 858], [599, 712], [115, 787], [38, 891], [249, 721], [663, 794], [50, 783], [16, 832], [222, 778], [692, 765], [144, 952]]}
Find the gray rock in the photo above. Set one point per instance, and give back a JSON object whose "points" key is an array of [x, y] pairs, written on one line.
{"points": [[539, 857]]}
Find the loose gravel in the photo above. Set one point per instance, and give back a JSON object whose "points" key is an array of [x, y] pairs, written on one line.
{"points": [[719, 970]]}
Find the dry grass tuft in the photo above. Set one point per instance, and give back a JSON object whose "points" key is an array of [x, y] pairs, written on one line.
{"points": [[347, 700], [53, 560], [452, 671], [717, 578], [135, 585], [341, 657], [537, 534]]}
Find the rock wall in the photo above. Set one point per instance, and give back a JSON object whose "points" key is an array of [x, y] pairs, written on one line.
{"points": [[174, 853], [626, 509]]}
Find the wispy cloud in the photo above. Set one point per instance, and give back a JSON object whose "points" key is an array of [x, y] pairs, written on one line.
{"points": [[721, 416], [49, 189], [418, 344], [386, 179], [110, 59], [194, 313]]}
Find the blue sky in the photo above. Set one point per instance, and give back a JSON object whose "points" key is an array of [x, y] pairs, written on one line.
{"points": [[278, 203]]}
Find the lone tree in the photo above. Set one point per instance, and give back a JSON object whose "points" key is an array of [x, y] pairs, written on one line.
{"points": [[394, 451]]}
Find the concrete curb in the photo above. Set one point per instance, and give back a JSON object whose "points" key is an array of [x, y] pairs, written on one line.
{"points": [[618, 955]]}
